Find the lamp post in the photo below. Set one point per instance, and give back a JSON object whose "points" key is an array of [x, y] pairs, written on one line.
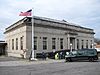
{"points": [[71, 47]]}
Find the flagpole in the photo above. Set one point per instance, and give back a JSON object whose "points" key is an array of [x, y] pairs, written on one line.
{"points": [[33, 52]]}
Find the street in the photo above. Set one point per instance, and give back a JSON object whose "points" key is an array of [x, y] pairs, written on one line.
{"points": [[53, 68]]}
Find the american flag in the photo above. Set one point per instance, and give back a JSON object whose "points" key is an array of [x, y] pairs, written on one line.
{"points": [[27, 13]]}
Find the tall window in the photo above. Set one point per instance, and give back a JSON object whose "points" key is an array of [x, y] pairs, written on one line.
{"points": [[12, 44], [82, 44], [16, 43], [35, 43], [44, 43], [53, 43], [86, 43], [21, 43], [91, 44], [77, 43], [61, 43]]}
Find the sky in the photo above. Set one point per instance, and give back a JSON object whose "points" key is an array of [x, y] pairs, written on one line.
{"points": [[85, 13]]}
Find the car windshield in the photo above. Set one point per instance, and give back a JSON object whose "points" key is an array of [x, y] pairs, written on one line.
{"points": [[71, 53], [74, 52], [67, 53]]}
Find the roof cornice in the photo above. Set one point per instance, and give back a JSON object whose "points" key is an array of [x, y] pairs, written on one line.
{"points": [[52, 21]]}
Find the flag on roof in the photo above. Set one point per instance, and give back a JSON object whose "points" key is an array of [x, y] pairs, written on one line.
{"points": [[27, 13]]}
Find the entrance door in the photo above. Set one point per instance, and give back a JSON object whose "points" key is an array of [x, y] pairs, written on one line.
{"points": [[72, 41], [2, 48]]}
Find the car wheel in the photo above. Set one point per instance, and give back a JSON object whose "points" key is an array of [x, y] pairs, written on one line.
{"points": [[91, 59], [68, 60]]}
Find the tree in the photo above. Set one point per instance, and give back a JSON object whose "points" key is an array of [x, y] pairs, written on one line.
{"points": [[97, 40]]}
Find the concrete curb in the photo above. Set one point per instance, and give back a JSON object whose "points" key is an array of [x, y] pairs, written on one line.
{"points": [[26, 62]]}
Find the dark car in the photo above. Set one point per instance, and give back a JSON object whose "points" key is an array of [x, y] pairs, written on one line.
{"points": [[84, 54]]}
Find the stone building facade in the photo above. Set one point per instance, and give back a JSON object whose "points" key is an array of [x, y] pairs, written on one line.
{"points": [[49, 35]]}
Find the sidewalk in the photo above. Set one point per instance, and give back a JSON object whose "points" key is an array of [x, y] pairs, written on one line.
{"points": [[24, 62]]}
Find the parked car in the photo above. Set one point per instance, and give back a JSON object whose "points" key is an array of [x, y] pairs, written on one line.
{"points": [[83, 54]]}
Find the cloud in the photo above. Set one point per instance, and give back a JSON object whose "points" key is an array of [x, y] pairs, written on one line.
{"points": [[82, 12]]}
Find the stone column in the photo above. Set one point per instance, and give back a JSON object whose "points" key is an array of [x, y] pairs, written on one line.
{"points": [[65, 42], [84, 43], [75, 43], [57, 43], [89, 43], [80, 44], [68, 41]]}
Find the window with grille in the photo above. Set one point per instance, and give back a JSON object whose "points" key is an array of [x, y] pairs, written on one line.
{"points": [[21, 43], [53, 43], [91, 44], [82, 44], [12, 44], [44, 43], [61, 43], [16, 43], [35, 43], [77, 43]]}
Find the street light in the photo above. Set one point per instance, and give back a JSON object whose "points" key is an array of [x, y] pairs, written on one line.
{"points": [[71, 47]]}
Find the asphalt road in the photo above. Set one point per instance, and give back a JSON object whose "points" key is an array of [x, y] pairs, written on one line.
{"points": [[54, 68]]}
